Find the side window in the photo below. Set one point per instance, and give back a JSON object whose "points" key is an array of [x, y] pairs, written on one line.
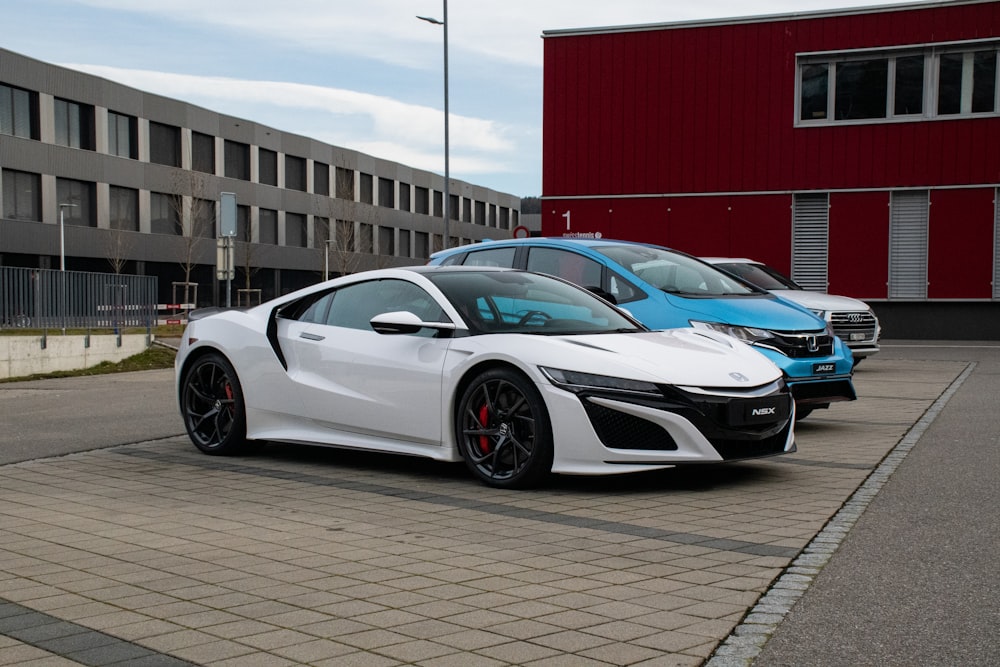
{"points": [[503, 257], [567, 265], [353, 306], [621, 289]]}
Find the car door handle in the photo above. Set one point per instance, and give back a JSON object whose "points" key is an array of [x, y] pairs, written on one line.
{"points": [[311, 336]]}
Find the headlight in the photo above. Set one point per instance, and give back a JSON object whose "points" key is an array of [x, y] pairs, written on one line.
{"points": [[577, 382], [745, 334]]}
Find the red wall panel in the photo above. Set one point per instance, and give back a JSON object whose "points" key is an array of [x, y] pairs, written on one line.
{"points": [[858, 252], [960, 238], [716, 106]]}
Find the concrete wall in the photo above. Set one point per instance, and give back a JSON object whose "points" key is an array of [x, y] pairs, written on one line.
{"points": [[24, 355]]}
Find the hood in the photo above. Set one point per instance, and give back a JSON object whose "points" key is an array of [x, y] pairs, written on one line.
{"points": [[821, 301], [675, 356], [761, 312]]}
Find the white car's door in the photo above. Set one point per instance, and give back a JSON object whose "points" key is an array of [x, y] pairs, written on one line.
{"points": [[351, 378]]}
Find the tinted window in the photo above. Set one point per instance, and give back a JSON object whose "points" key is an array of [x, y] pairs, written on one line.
{"points": [[502, 257]]}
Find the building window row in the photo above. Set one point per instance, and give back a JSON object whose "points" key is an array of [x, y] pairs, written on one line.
{"points": [[931, 82]]}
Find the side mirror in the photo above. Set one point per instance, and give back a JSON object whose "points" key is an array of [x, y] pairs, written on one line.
{"points": [[404, 322]]}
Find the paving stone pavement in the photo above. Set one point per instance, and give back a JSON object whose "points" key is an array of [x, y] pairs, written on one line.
{"points": [[154, 554]]}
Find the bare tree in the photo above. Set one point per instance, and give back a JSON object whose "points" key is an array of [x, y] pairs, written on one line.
{"points": [[250, 255], [119, 246], [195, 214]]}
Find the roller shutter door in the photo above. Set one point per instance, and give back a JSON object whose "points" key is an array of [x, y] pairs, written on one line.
{"points": [[996, 244], [908, 245], [810, 240]]}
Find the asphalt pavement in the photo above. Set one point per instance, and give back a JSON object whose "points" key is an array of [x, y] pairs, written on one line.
{"points": [[916, 582]]}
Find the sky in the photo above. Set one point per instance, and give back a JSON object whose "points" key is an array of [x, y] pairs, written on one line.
{"points": [[362, 74]]}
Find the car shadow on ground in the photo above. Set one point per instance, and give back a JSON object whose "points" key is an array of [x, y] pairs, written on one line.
{"points": [[686, 478]]}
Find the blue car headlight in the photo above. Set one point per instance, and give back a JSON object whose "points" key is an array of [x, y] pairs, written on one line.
{"points": [[749, 335], [578, 382]]}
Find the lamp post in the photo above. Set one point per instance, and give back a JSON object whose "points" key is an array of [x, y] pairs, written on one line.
{"points": [[447, 174], [62, 234]]}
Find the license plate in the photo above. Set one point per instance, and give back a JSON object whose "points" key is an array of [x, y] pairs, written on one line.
{"points": [[858, 336], [759, 411], [823, 369]]}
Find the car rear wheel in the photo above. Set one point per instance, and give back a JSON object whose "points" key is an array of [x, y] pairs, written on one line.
{"points": [[504, 431], [212, 406]]}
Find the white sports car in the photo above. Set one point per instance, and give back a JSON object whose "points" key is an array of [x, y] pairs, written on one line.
{"points": [[516, 373]]}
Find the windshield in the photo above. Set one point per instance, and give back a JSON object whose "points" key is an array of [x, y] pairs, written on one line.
{"points": [[519, 302], [757, 274], [676, 273]]}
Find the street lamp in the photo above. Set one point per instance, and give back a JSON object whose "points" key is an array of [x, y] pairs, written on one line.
{"points": [[447, 174], [62, 234]]}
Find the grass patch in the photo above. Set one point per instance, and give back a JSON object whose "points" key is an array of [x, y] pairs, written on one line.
{"points": [[156, 357]]}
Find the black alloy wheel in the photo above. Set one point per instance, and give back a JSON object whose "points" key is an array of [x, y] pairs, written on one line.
{"points": [[504, 431], [212, 406]]}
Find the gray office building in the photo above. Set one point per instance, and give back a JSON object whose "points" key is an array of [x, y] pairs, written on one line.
{"points": [[133, 180]]}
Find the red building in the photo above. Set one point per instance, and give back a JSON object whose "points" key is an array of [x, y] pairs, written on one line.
{"points": [[857, 150]]}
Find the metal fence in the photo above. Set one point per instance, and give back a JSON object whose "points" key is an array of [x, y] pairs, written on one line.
{"points": [[49, 299]]}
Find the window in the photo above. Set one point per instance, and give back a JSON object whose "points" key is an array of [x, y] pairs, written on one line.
{"points": [[345, 184], [404, 197], [422, 200], [354, 306], [909, 87], [480, 218], [74, 124], [453, 207], [504, 217], [420, 247], [366, 196], [466, 209], [861, 89], [571, 266], [908, 213], [268, 226], [122, 135], [164, 144], [502, 257], [386, 241], [386, 192], [123, 211], [202, 218], [203, 152], [295, 230], [810, 240], [163, 218], [22, 195], [321, 231], [345, 236], [493, 215], [365, 239], [438, 206], [404, 243], [237, 157], [321, 178], [18, 112], [295, 173], [855, 86], [267, 166], [243, 223], [81, 195]]}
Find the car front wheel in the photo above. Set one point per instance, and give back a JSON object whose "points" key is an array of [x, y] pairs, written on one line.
{"points": [[212, 406], [504, 431]]}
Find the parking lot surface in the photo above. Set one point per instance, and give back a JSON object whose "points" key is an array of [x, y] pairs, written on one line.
{"points": [[152, 553]]}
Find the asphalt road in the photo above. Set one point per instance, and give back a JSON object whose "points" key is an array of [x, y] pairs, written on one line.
{"points": [[916, 581], [53, 417]]}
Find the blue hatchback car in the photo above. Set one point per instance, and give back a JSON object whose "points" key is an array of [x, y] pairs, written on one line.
{"points": [[666, 289]]}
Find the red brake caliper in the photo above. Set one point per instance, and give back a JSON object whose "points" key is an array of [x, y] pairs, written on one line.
{"points": [[229, 395], [484, 415]]}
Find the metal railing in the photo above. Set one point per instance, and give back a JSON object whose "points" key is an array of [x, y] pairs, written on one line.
{"points": [[49, 299]]}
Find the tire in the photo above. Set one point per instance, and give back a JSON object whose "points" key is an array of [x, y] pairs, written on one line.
{"points": [[504, 432], [213, 408]]}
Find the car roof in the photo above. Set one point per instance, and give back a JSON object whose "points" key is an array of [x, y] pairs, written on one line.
{"points": [[587, 242], [729, 260]]}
